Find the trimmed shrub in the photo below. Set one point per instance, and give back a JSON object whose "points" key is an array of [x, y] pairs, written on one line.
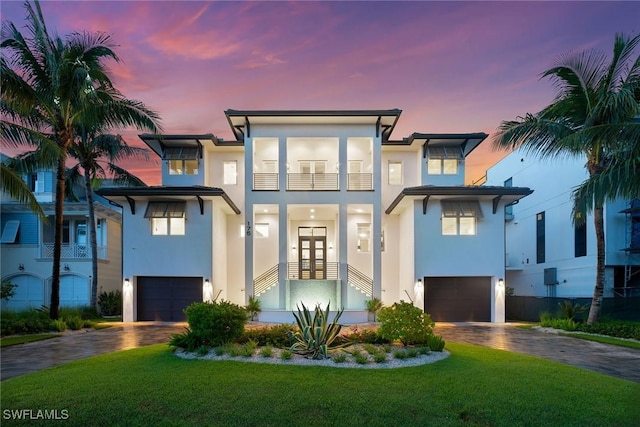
{"points": [[365, 336], [435, 343], [406, 323], [216, 323], [74, 322], [29, 321], [59, 325], [110, 303], [278, 336]]}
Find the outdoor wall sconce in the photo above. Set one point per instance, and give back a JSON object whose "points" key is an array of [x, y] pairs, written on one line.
{"points": [[330, 246], [127, 282], [66, 267], [501, 282], [293, 247], [206, 281], [21, 267]]}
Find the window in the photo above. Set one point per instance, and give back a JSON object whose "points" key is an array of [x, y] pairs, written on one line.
{"points": [[364, 237], [183, 167], [270, 166], [443, 160], [182, 160], [35, 181], [230, 171], [167, 218], [395, 173], [10, 231], [459, 217], [580, 237], [540, 243], [508, 210]]}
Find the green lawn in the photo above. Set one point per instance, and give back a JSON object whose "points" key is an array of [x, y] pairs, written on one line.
{"points": [[605, 340], [475, 386], [21, 339]]}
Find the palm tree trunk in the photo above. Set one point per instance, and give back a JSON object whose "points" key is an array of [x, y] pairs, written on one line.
{"points": [[596, 302], [57, 246], [93, 241]]}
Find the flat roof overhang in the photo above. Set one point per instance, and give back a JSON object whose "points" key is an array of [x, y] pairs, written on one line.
{"points": [[201, 193], [241, 120], [159, 142], [466, 141], [509, 194]]}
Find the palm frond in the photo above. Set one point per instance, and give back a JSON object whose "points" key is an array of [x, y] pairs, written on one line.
{"points": [[13, 185]]}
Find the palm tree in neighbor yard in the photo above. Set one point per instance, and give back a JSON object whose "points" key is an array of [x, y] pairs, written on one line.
{"points": [[593, 116], [97, 154], [54, 86]]}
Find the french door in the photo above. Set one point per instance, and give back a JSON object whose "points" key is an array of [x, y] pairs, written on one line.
{"points": [[312, 258]]}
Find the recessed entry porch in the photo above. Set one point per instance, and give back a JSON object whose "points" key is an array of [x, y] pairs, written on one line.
{"points": [[309, 256]]}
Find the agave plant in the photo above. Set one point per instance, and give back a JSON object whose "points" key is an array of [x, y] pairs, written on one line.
{"points": [[316, 336]]}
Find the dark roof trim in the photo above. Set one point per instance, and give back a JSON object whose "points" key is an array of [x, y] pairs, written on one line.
{"points": [[239, 130], [195, 191], [473, 191], [156, 142], [474, 136]]}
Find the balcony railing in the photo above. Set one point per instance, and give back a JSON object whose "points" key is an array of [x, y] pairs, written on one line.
{"points": [[72, 250], [332, 271], [265, 181], [312, 182], [359, 182]]}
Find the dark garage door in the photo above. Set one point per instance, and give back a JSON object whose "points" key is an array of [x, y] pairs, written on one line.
{"points": [[164, 298], [458, 299]]}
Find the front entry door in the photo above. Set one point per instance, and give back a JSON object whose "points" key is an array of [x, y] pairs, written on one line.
{"points": [[313, 260]]}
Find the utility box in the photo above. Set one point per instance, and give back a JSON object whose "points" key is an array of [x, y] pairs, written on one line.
{"points": [[550, 276]]}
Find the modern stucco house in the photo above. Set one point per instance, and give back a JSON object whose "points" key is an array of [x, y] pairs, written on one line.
{"points": [[547, 254], [314, 207], [27, 247]]}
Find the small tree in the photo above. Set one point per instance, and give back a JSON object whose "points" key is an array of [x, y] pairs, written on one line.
{"points": [[7, 290], [406, 323], [253, 307], [374, 305]]}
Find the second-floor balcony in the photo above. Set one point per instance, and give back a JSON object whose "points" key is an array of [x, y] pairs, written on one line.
{"points": [[312, 182], [72, 251]]}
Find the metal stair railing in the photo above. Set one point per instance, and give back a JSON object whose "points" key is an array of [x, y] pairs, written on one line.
{"points": [[265, 281], [360, 281]]}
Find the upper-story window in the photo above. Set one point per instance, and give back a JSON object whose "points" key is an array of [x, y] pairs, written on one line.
{"points": [[460, 217], [395, 173], [167, 218], [230, 172], [35, 181], [182, 160], [443, 160]]}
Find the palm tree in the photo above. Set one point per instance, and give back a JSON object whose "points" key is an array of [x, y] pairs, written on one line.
{"points": [[52, 86], [592, 116], [93, 150]]}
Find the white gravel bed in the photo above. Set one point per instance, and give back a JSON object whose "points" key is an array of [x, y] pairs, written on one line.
{"points": [[275, 359]]}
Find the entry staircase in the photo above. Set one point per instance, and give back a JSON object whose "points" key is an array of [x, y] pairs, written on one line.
{"points": [[269, 279]]}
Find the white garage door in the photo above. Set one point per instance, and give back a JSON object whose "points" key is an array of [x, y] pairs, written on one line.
{"points": [[29, 293], [74, 291]]}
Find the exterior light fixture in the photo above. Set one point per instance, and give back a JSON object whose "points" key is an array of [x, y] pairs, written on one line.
{"points": [[21, 267], [293, 247], [501, 282], [330, 246], [66, 267]]}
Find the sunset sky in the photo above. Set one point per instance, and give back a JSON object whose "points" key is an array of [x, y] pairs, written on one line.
{"points": [[450, 66]]}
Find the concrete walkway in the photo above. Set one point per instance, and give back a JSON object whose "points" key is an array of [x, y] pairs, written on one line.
{"points": [[607, 359]]}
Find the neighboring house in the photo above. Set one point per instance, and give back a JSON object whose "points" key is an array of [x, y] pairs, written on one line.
{"points": [[27, 247], [314, 207], [547, 254]]}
